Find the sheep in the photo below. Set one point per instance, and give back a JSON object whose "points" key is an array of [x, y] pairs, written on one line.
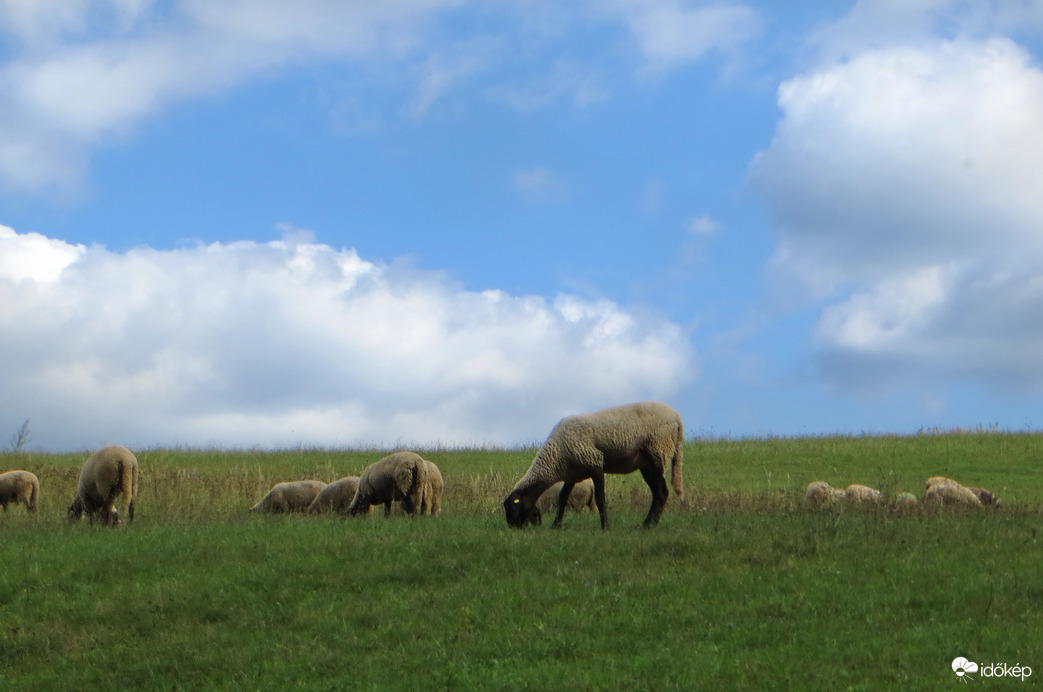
{"points": [[581, 497], [622, 439], [863, 493], [431, 502], [19, 486], [335, 497], [291, 496], [985, 497], [820, 493], [905, 501], [958, 495], [401, 476], [110, 472], [948, 494], [939, 480]]}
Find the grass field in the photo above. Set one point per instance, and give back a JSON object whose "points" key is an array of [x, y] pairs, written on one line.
{"points": [[739, 587]]}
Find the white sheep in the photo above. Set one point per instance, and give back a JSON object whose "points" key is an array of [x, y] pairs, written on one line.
{"points": [[335, 497], [947, 494], [290, 496], [19, 486], [622, 439], [863, 493], [957, 495], [401, 476], [581, 497], [109, 473], [905, 501], [821, 493], [431, 501]]}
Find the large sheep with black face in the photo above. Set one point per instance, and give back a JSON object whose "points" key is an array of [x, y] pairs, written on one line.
{"points": [[108, 474], [399, 477], [641, 437], [19, 486]]}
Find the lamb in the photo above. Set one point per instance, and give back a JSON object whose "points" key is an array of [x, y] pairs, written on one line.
{"points": [[291, 496], [581, 497], [19, 486], [110, 472], [820, 493], [335, 497], [985, 497], [622, 439], [401, 476], [431, 502], [863, 493]]}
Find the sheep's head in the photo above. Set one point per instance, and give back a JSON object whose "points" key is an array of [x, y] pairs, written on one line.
{"points": [[75, 510], [521, 510]]}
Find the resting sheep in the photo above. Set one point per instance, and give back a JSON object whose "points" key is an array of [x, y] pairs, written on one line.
{"points": [[291, 496], [19, 486], [335, 497], [431, 502], [401, 476], [863, 493], [581, 497], [110, 472], [622, 439], [821, 493]]}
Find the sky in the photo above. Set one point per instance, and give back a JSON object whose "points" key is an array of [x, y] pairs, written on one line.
{"points": [[259, 224]]}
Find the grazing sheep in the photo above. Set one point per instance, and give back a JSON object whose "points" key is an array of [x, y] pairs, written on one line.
{"points": [[19, 486], [401, 476], [335, 497], [110, 472], [820, 493], [581, 497], [291, 496], [985, 497], [863, 493], [431, 502], [623, 439], [939, 480], [947, 494]]}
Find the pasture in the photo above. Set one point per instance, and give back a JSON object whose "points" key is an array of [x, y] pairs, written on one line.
{"points": [[739, 587]]}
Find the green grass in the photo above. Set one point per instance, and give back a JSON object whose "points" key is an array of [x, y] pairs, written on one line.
{"points": [[739, 587]]}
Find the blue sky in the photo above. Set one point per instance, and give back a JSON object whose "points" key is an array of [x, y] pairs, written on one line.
{"points": [[261, 223]]}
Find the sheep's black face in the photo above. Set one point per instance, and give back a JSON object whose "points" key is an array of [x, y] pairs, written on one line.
{"points": [[519, 513]]}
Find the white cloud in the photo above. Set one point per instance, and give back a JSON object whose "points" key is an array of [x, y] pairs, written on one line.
{"points": [[905, 183], [291, 341], [539, 183], [674, 32], [58, 96]]}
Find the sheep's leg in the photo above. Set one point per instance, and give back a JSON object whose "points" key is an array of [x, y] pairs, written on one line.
{"points": [[563, 500], [657, 484], [387, 509], [599, 497]]}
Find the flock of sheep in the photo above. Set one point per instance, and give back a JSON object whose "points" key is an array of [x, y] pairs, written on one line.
{"points": [[938, 490], [568, 472]]}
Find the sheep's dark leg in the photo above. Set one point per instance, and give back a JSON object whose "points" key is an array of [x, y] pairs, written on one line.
{"points": [[657, 484], [563, 499], [387, 509], [130, 511], [599, 497]]}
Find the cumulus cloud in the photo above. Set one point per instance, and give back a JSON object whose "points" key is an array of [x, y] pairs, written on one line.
{"points": [[93, 69], [905, 185], [293, 341]]}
